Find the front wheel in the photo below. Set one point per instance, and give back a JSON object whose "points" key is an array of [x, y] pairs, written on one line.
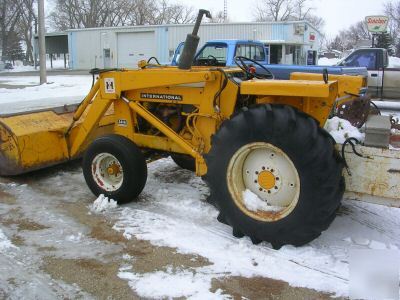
{"points": [[274, 175], [114, 166]]}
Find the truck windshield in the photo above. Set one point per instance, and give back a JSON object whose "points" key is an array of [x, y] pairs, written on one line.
{"points": [[211, 52], [362, 59]]}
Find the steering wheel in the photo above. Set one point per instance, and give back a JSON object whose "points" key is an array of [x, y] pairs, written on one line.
{"points": [[240, 62], [209, 61], [212, 60]]}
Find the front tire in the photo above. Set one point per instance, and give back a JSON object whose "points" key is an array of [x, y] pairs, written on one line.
{"points": [[275, 176], [114, 166]]}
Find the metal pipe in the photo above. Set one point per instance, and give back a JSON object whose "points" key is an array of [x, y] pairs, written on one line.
{"points": [[83, 105], [42, 43]]}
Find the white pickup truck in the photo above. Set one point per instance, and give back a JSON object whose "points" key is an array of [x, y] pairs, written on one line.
{"points": [[383, 81]]}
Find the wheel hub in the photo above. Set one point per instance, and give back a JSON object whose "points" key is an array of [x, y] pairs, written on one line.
{"points": [[113, 169], [107, 172], [270, 174], [266, 180]]}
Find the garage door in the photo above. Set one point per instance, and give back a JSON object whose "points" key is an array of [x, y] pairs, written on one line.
{"points": [[135, 46]]}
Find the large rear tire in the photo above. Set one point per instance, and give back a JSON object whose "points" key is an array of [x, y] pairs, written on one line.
{"points": [[274, 175], [114, 166]]}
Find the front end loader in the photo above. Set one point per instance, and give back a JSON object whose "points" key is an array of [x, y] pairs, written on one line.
{"points": [[273, 171]]}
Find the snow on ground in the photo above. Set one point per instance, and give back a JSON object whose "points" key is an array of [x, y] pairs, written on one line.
{"points": [[57, 86], [341, 130], [324, 61], [19, 67], [60, 90], [172, 211], [394, 62]]}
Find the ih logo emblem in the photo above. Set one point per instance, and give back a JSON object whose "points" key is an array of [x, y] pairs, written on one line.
{"points": [[109, 85]]}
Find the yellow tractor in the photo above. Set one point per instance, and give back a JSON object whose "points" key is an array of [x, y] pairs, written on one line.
{"points": [[273, 171]]}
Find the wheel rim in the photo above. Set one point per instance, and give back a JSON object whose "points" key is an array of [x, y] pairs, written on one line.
{"points": [[107, 172], [265, 171]]}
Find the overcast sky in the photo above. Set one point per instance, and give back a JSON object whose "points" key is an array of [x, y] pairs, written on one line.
{"points": [[338, 14]]}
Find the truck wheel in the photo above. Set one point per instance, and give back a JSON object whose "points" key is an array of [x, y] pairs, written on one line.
{"points": [[274, 175], [114, 166], [184, 161]]}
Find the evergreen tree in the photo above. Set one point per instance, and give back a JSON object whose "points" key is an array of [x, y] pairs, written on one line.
{"points": [[14, 49], [384, 40]]}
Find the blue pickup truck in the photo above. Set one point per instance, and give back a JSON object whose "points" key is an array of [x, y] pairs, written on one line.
{"points": [[223, 53]]}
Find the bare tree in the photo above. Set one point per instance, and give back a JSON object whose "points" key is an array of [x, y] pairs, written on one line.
{"points": [[274, 10], [167, 13], [218, 17], [284, 10], [80, 14], [100, 13], [9, 16], [26, 24], [348, 39]]}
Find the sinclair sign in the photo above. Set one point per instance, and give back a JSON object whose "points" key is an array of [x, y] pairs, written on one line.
{"points": [[376, 24]]}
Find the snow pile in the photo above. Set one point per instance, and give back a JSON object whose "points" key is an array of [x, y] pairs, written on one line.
{"points": [[254, 203], [394, 62], [102, 204], [341, 130], [5, 243], [324, 61]]}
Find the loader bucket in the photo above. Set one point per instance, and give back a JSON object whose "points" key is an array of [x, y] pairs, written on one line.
{"points": [[34, 140]]}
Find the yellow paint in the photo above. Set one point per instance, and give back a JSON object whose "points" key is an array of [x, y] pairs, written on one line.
{"points": [[266, 180], [34, 140]]}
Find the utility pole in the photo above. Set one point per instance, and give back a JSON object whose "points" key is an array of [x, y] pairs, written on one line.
{"points": [[225, 10], [42, 43]]}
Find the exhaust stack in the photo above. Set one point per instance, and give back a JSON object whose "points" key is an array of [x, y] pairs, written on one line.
{"points": [[191, 43]]}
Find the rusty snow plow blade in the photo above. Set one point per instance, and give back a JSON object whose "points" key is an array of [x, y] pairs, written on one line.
{"points": [[34, 140], [374, 177]]}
